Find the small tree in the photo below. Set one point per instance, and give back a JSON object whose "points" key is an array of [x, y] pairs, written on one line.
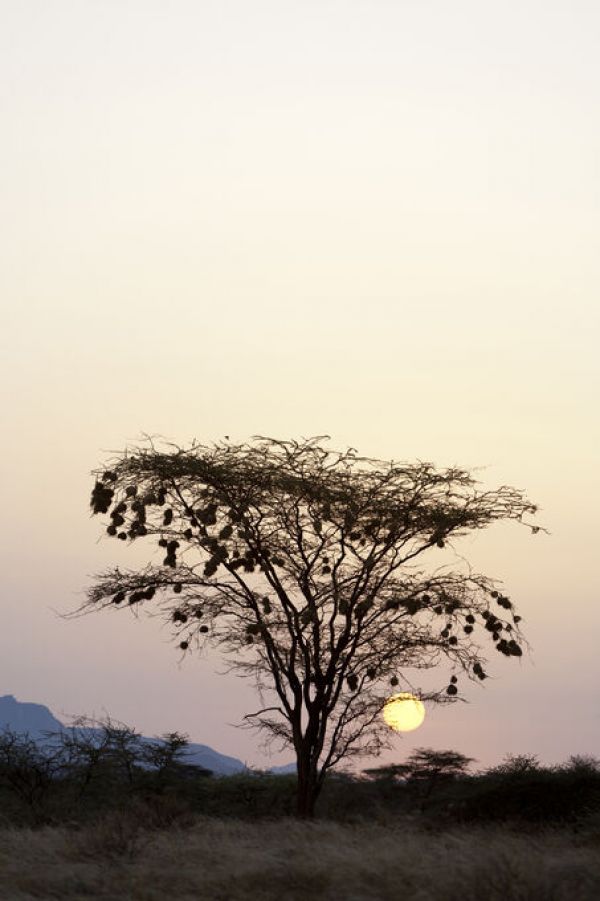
{"points": [[28, 769], [516, 766], [84, 747], [426, 769], [166, 758], [300, 564], [93, 748]]}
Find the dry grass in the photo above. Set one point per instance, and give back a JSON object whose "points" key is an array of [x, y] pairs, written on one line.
{"points": [[290, 861]]}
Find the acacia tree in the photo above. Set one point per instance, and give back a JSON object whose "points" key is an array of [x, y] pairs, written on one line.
{"points": [[425, 769], [302, 565]]}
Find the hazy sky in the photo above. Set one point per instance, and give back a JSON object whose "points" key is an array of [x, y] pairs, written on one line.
{"points": [[376, 220]]}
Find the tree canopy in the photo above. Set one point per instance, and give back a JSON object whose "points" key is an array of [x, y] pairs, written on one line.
{"points": [[309, 569]]}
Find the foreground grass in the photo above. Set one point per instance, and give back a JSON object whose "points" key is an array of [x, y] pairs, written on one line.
{"points": [[285, 860]]}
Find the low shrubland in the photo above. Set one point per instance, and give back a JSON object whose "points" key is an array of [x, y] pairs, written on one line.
{"points": [[76, 777], [95, 813]]}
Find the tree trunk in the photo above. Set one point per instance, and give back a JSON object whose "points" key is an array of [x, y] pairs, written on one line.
{"points": [[308, 788]]}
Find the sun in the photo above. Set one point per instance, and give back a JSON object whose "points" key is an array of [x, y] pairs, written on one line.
{"points": [[403, 712]]}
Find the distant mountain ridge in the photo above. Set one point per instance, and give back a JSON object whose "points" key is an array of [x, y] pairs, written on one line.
{"points": [[23, 716], [36, 719]]}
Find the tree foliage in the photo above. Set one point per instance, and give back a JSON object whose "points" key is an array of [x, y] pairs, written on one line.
{"points": [[426, 764], [305, 567]]}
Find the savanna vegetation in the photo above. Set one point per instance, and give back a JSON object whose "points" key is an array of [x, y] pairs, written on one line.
{"points": [[101, 814], [95, 768], [231, 860], [97, 812]]}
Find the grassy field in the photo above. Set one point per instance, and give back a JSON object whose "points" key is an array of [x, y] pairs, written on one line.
{"points": [[286, 860]]}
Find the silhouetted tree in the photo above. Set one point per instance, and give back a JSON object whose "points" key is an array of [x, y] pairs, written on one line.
{"points": [[425, 769], [515, 766], [28, 769], [166, 757], [428, 768], [300, 564], [98, 747]]}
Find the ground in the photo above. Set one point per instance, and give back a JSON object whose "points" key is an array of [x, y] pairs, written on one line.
{"points": [[230, 860]]}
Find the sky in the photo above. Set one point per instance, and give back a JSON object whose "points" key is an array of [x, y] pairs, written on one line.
{"points": [[373, 220]]}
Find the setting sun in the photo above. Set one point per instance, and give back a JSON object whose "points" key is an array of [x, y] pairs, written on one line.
{"points": [[404, 712]]}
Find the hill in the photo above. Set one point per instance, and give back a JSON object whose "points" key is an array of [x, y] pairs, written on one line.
{"points": [[37, 720]]}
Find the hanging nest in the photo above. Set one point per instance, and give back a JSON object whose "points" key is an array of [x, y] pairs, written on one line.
{"points": [[478, 671], [412, 606], [101, 498], [210, 567]]}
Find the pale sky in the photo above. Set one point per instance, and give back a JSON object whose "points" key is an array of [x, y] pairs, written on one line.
{"points": [[375, 220]]}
